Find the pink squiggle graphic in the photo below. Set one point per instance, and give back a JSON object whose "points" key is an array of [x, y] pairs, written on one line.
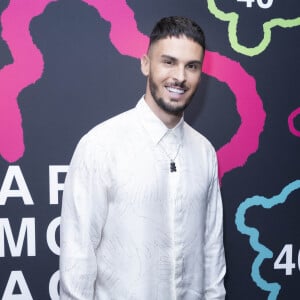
{"points": [[26, 69], [249, 106], [124, 34], [129, 41], [291, 118]]}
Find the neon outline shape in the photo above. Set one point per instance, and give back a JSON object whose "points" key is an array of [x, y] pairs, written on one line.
{"points": [[233, 18], [253, 233], [233, 154], [291, 118]]}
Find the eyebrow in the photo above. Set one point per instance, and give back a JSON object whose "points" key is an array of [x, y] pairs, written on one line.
{"points": [[199, 62]]}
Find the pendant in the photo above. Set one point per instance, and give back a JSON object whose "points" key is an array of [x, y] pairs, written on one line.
{"points": [[172, 166]]}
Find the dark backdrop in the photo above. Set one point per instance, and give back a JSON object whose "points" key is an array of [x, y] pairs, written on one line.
{"points": [[84, 76]]}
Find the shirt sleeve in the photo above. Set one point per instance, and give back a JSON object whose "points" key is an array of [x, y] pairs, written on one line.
{"points": [[84, 210], [215, 266]]}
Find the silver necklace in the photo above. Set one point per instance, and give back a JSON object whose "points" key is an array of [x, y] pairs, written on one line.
{"points": [[172, 159]]}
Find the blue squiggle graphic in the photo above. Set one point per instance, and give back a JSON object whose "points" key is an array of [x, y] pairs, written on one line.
{"points": [[253, 233]]}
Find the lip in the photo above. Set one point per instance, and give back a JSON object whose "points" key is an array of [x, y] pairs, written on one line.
{"points": [[175, 91]]}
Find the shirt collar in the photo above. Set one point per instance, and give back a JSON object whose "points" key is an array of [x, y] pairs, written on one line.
{"points": [[154, 126]]}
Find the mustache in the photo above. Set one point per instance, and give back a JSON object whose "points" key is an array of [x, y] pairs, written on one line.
{"points": [[177, 83]]}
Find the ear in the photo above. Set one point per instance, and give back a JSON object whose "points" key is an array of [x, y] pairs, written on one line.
{"points": [[145, 64]]}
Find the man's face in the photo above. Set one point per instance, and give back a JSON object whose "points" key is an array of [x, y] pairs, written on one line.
{"points": [[173, 67]]}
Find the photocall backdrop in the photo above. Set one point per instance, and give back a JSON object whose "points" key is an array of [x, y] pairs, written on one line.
{"points": [[68, 65]]}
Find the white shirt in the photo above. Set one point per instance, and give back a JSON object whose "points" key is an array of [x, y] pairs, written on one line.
{"points": [[130, 228]]}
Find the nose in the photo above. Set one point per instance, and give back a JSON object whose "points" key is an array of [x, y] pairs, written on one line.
{"points": [[179, 74]]}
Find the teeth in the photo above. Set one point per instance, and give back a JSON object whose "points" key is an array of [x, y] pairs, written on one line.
{"points": [[175, 90]]}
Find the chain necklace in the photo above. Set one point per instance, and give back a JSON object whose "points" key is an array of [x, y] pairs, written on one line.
{"points": [[172, 159]]}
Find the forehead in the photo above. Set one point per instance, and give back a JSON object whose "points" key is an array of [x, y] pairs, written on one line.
{"points": [[178, 47]]}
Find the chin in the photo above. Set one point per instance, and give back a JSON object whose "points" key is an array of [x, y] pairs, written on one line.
{"points": [[170, 108]]}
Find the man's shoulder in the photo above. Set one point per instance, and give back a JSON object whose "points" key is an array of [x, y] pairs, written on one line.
{"points": [[197, 137], [106, 136], [113, 126]]}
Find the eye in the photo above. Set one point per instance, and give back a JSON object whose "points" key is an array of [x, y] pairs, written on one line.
{"points": [[168, 61], [193, 66]]}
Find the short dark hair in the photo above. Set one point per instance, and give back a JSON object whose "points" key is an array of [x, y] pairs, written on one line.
{"points": [[175, 26]]}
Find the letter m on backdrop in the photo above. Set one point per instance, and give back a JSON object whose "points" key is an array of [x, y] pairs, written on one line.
{"points": [[27, 229]]}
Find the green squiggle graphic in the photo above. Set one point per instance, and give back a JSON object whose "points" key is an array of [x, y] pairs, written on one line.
{"points": [[233, 17]]}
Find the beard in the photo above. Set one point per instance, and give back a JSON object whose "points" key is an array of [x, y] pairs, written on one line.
{"points": [[176, 110]]}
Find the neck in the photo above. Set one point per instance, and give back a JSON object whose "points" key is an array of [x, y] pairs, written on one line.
{"points": [[170, 120]]}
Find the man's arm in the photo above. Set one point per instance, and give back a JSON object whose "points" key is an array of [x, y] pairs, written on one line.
{"points": [[83, 216], [215, 266]]}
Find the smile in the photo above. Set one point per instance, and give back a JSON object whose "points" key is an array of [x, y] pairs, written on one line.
{"points": [[175, 90]]}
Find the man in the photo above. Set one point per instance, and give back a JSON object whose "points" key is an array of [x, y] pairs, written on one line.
{"points": [[142, 212]]}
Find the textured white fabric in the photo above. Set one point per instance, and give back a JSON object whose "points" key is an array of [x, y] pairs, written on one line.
{"points": [[131, 229]]}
